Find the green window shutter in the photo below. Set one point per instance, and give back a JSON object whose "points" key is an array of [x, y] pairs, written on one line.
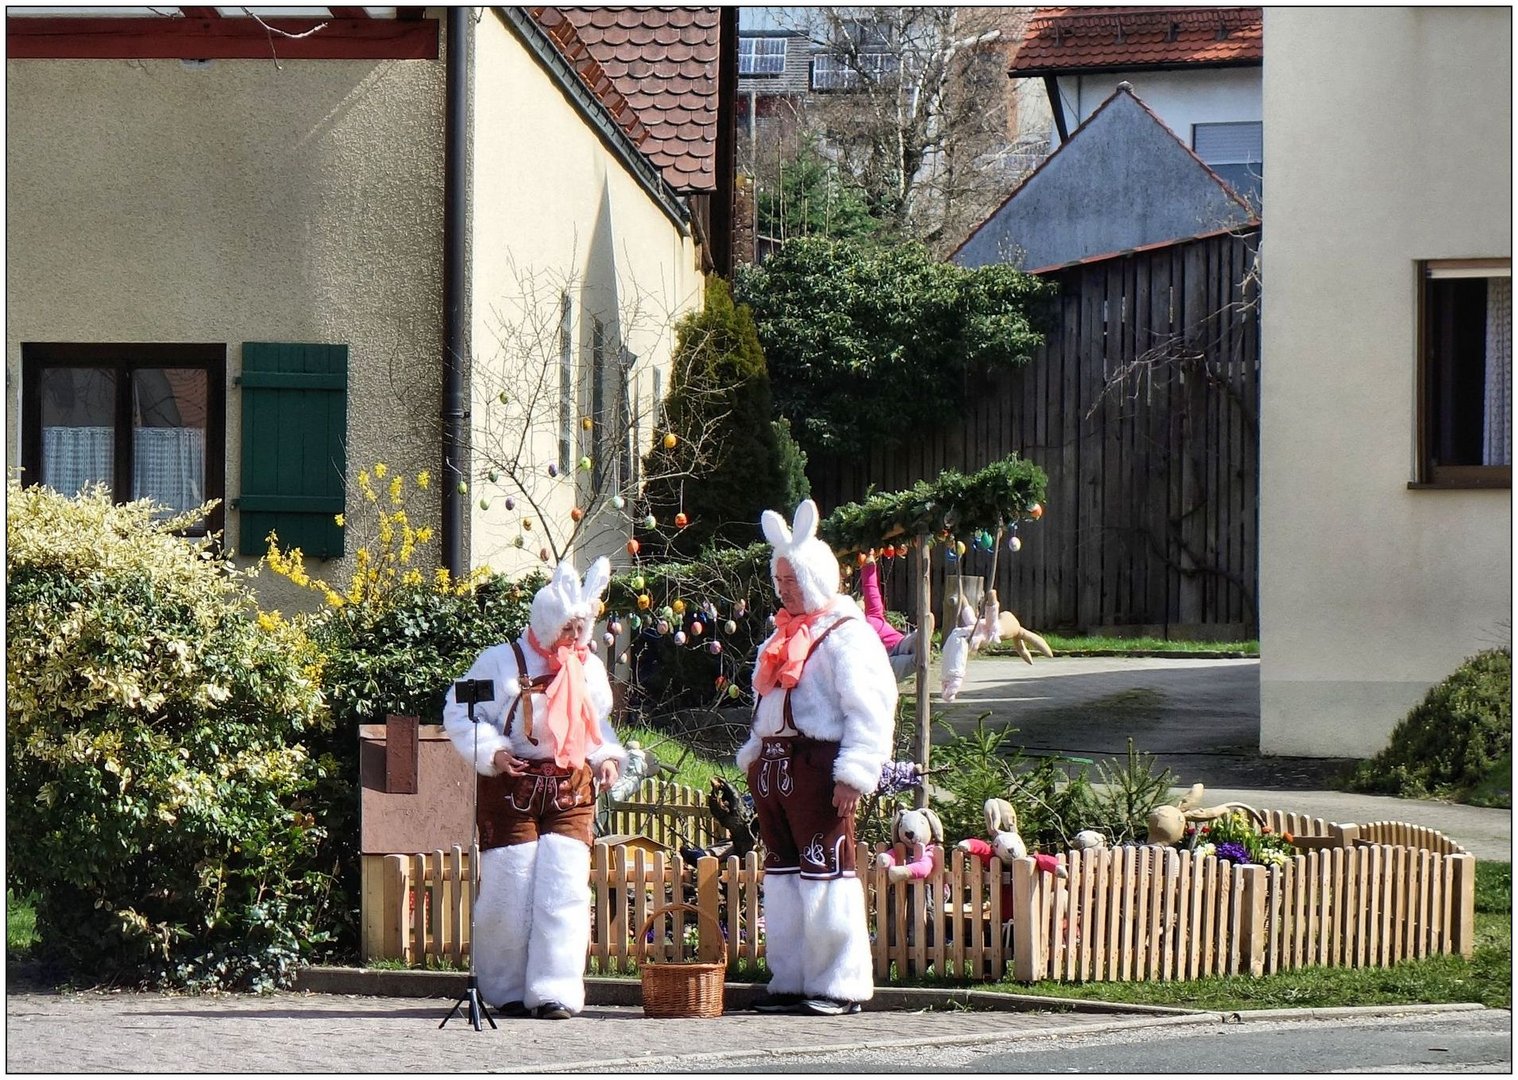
{"points": [[294, 439]]}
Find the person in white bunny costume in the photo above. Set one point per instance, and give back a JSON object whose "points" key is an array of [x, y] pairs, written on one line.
{"points": [[823, 728], [535, 747]]}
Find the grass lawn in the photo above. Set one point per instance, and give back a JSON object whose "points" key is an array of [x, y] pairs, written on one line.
{"points": [[1136, 646], [20, 924]]}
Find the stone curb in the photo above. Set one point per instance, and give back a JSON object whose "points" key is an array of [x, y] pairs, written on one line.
{"points": [[600, 990], [683, 1060], [1348, 1012]]}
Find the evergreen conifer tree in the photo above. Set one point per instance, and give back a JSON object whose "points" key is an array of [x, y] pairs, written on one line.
{"points": [[718, 406]]}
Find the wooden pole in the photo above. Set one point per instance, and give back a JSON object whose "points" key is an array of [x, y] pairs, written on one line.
{"points": [[924, 644]]}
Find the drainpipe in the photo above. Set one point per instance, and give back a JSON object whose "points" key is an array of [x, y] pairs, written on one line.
{"points": [[454, 413]]}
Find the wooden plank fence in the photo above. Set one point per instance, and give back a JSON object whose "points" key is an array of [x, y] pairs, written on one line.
{"points": [[671, 814], [1126, 914], [1142, 407]]}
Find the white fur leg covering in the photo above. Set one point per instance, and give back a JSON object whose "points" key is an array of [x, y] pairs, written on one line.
{"points": [[502, 916], [836, 961], [560, 923], [783, 937]]}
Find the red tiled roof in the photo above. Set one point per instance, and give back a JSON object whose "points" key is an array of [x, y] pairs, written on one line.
{"points": [[1068, 39], [659, 65]]}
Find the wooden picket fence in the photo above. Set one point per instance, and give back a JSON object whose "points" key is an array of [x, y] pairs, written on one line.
{"points": [[671, 814], [1355, 898]]}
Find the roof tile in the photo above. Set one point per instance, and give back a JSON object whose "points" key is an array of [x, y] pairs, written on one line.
{"points": [[1124, 38], [662, 63]]}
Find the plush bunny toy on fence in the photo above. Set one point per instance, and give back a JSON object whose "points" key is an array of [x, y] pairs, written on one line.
{"points": [[921, 833], [1006, 842]]}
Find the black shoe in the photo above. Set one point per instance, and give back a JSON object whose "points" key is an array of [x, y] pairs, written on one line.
{"points": [[552, 1010], [512, 1010], [780, 1003], [826, 1006]]}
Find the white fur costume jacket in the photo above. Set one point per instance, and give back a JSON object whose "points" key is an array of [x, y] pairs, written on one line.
{"points": [[500, 666], [846, 694]]}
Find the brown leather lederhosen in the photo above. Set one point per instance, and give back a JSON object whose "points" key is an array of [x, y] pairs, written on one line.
{"points": [[792, 785], [547, 798]]}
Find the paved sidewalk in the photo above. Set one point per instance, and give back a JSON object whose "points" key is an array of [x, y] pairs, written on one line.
{"points": [[293, 1032]]}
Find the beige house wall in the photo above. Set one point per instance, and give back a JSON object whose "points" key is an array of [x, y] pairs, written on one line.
{"points": [[1388, 136], [157, 201], [554, 212]]}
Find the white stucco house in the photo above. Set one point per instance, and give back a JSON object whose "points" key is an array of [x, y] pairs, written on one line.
{"points": [[251, 253], [1386, 402]]}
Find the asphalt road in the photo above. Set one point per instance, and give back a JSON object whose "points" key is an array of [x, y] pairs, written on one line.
{"points": [[1479, 1041]]}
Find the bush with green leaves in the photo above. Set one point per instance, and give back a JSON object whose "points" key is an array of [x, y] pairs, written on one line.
{"points": [[869, 345], [1457, 743], [160, 790]]}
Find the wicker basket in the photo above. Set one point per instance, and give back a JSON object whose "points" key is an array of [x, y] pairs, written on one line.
{"points": [[685, 990]]}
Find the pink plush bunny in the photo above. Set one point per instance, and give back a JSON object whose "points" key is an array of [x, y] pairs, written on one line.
{"points": [[922, 833]]}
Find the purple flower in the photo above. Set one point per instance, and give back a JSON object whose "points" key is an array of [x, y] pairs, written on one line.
{"points": [[1233, 852]]}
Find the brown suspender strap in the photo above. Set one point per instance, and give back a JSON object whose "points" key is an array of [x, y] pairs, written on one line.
{"points": [[526, 685], [790, 721]]}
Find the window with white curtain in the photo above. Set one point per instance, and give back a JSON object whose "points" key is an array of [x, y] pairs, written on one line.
{"points": [[1466, 378], [144, 421]]}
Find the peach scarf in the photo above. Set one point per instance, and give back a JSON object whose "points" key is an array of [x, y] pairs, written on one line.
{"points": [[781, 661], [568, 713]]}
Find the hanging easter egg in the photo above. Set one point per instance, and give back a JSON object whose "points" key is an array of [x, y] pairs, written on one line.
{"points": [[637, 582], [586, 423], [1036, 511], [1015, 543], [680, 520], [617, 502], [632, 549], [770, 621], [663, 626], [679, 607], [730, 627], [585, 464], [650, 521], [543, 554], [511, 504], [668, 612], [527, 523], [670, 440], [949, 556], [516, 541], [644, 600], [890, 551], [732, 691], [714, 647], [621, 658], [575, 514], [696, 628], [463, 488], [593, 646], [679, 637], [600, 608], [959, 549], [502, 398], [553, 470], [740, 607], [615, 626], [494, 475], [484, 504], [721, 681], [609, 638], [635, 621]]}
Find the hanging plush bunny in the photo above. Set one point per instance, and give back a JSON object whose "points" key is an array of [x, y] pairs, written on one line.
{"points": [[956, 653], [822, 731], [536, 745]]}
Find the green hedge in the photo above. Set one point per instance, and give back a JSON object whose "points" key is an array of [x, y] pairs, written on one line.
{"points": [[1457, 743]]}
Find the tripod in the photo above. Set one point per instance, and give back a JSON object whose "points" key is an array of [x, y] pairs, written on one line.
{"points": [[468, 692]]}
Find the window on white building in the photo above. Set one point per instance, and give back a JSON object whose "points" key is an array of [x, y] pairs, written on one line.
{"points": [[1465, 401]]}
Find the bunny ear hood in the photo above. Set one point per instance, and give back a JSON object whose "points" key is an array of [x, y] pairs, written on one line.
{"points": [[815, 565], [563, 599]]}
